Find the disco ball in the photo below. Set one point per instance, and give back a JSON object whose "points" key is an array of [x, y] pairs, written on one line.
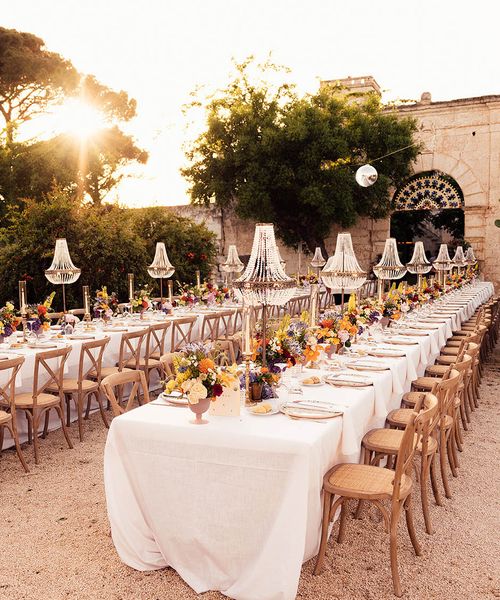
{"points": [[366, 175]]}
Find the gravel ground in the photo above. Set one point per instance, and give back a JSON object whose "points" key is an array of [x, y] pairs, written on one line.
{"points": [[55, 541]]}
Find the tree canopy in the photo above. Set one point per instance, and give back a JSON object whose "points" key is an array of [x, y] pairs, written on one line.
{"points": [[105, 242], [273, 156], [32, 79]]}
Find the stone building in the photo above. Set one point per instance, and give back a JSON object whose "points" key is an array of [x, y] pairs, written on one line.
{"points": [[461, 144]]}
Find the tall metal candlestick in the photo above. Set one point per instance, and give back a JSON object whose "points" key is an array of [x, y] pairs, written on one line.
{"points": [[170, 291], [86, 302], [130, 279], [246, 325], [23, 303], [198, 278]]}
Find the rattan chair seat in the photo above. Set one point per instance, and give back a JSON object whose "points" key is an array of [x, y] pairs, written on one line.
{"points": [[363, 481], [426, 383], [26, 400], [71, 385]]}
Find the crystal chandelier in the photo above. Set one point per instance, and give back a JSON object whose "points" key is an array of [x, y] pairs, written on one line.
{"points": [[419, 265], [342, 270], [232, 263], [470, 257], [62, 271], [161, 267], [459, 260], [443, 262], [264, 280], [390, 266], [318, 261]]}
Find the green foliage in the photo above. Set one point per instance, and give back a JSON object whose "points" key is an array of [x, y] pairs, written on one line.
{"points": [[106, 243], [275, 157], [31, 77]]}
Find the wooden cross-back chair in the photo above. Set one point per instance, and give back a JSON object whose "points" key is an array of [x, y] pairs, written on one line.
{"points": [[7, 406], [226, 324], [139, 391], [131, 345], [182, 330], [157, 337], [348, 481], [210, 328], [154, 348], [86, 383], [39, 403], [237, 320]]}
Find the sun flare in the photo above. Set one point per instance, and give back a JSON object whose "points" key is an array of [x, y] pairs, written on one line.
{"points": [[79, 119]]}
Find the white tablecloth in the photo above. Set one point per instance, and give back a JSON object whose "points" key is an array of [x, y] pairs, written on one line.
{"points": [[235, 505]]}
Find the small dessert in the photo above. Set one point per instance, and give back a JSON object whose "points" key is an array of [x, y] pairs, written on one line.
{"points": [[262, 409], [312, 380]]}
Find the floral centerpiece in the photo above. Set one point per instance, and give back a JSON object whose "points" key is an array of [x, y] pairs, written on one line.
{"points": [[261, 381], [337, 329], [108, 303], [9, 321], [285, 342], [38, 319], [206, 293], [197, 375], [309, 279], [142, 300]]}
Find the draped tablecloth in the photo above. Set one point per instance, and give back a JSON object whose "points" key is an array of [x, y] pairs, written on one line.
{"points": [[24, 380], [235, 505]]}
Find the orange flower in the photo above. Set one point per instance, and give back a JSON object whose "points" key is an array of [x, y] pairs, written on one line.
{"points": [[205, 365], [310, 354], [264, 370]]}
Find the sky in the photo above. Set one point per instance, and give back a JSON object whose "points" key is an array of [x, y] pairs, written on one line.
{"points": [[159, 51]]}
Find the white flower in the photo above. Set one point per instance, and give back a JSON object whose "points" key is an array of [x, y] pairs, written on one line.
{"points": [[197, 392], [343, 336]]}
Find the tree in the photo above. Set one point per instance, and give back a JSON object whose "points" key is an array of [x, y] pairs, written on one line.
{"points": [[273, 156], [105, 242], [31, 78]]}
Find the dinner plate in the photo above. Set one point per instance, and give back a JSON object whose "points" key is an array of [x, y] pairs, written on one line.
{"points": [[400, 342], [345, 380], [312, 384], [367, 367], [83, 336], [251, 411], [308, 413], [386, 354], [177, 400]]}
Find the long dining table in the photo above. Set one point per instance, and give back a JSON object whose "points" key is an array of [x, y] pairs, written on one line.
{"points": [[114, 330], [235, 505]]}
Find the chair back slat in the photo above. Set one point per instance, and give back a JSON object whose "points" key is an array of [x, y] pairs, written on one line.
{"points": [[7, 390], [44, 366], [155, 342], [210, 328], [182, 330], [91, 355], [139, 388], [226, 323], [130, 348]]}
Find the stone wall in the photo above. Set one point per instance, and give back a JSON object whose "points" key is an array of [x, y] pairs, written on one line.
{"points": [[462, 139]]}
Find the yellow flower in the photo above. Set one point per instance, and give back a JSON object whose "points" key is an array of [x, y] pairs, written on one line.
{"points": [[9, 306], [170, 386]]}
